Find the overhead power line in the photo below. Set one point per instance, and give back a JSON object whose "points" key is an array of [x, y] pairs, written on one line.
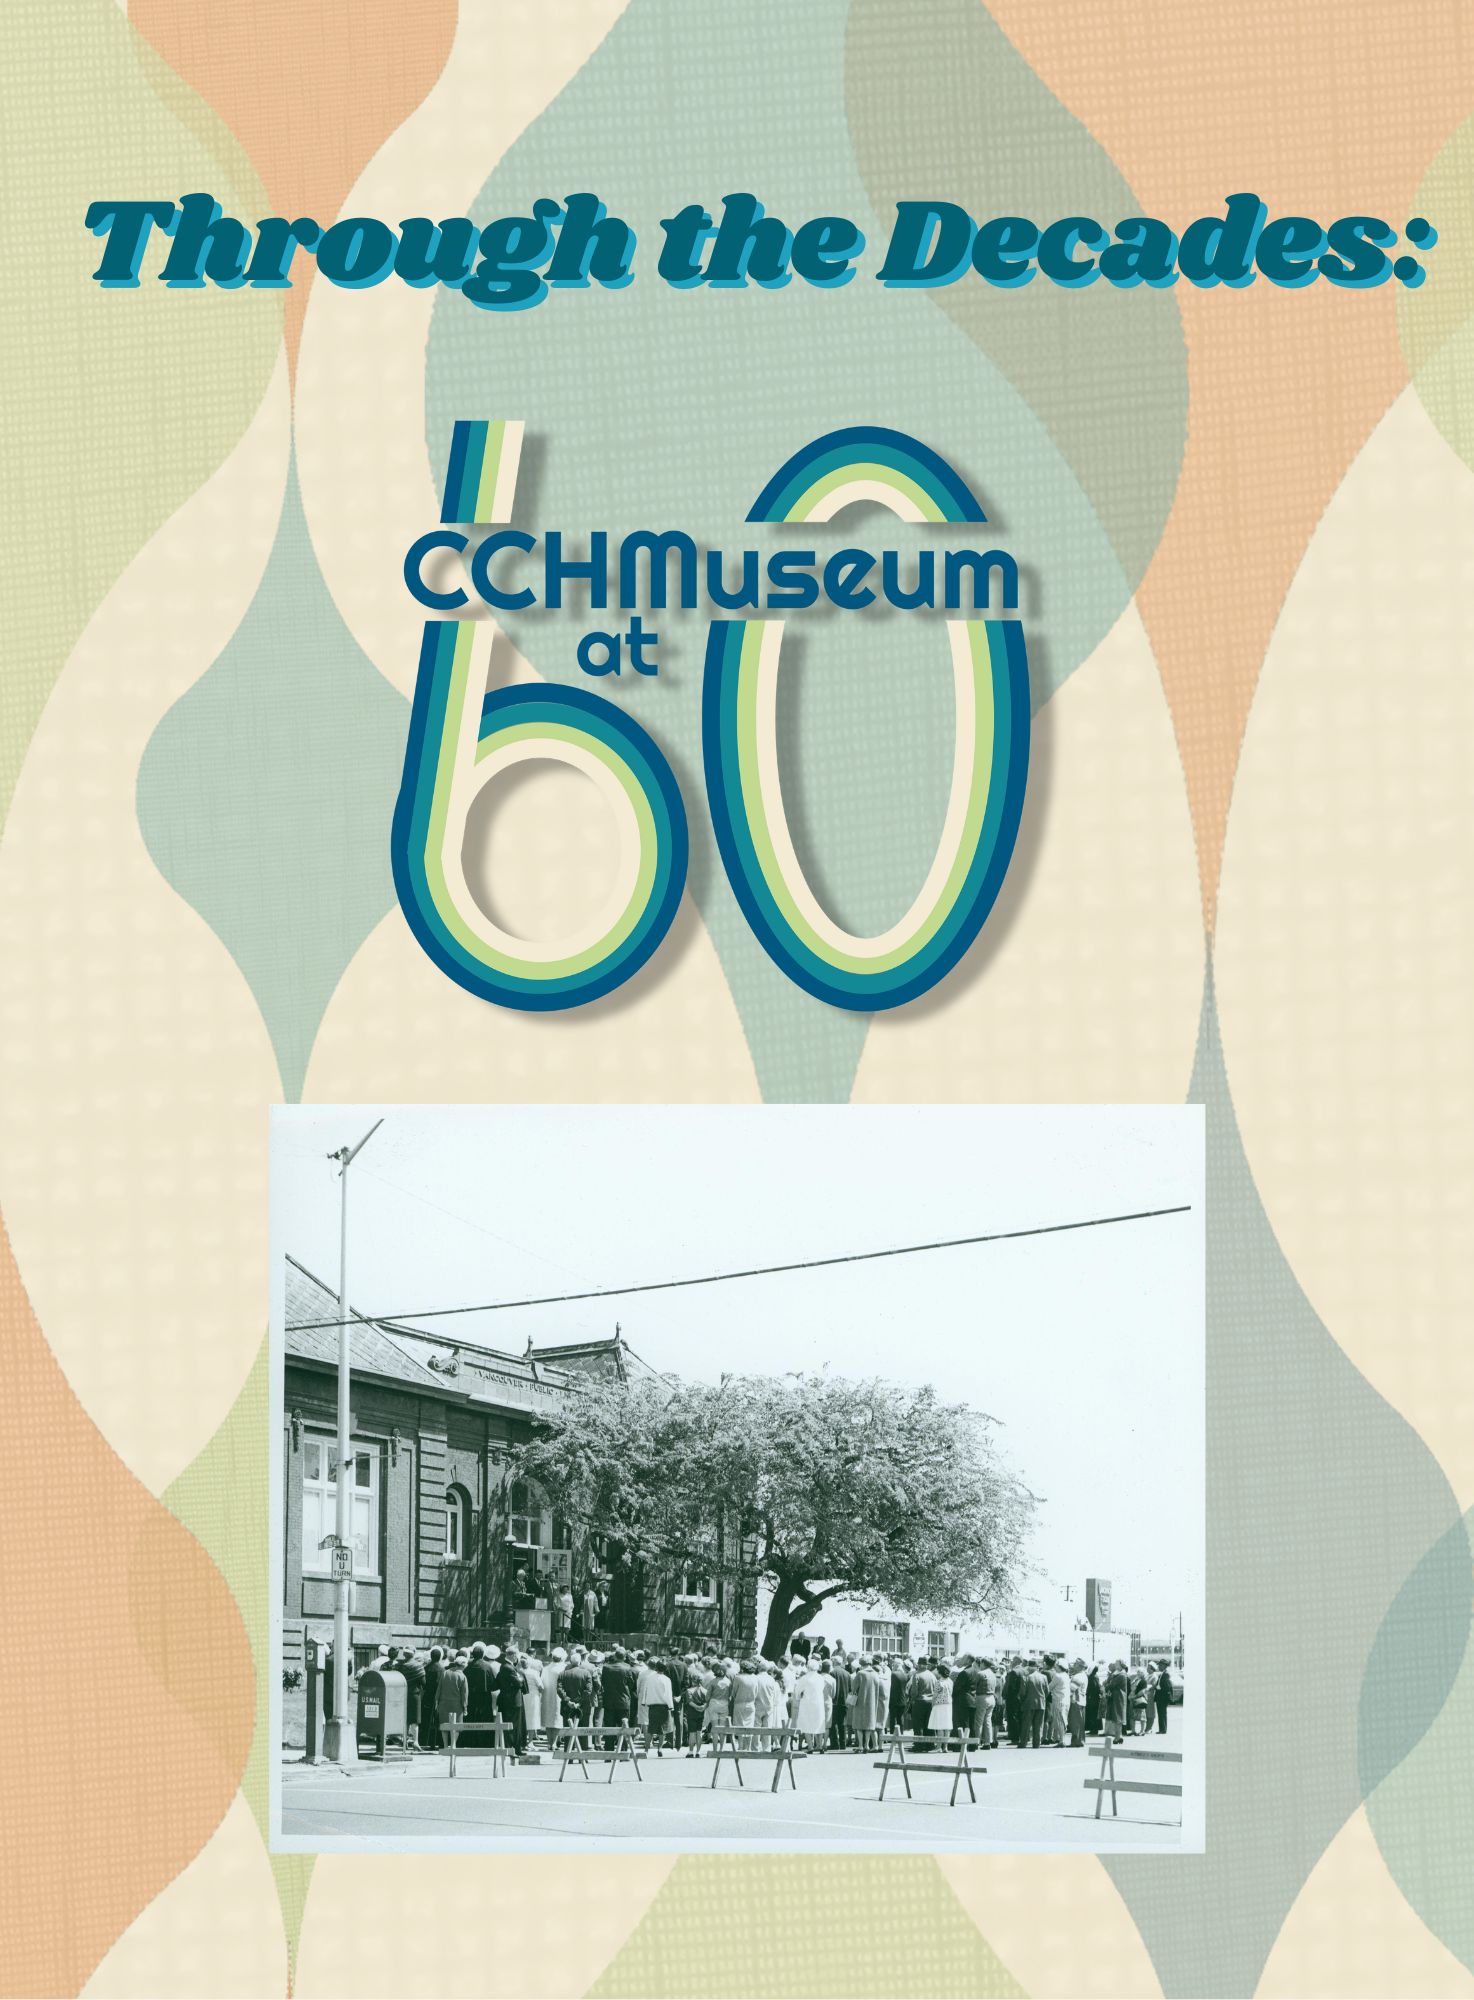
{"points": [[758, 1270]]}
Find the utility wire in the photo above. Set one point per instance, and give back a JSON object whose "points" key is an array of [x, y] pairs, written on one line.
{"points": [[761, 1270]]}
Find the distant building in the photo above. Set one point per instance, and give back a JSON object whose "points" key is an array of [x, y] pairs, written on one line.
{"points": [[445, 1544], [1047, 1624]]}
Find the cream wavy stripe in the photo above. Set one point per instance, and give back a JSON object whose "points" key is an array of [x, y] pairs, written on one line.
{"points": [[1351, 1932], [540, 1927], [1345, 951], [134, 1066], [399, 1032], [215, 1932], [1057, 1922], [365, 472], [1086, 983]]}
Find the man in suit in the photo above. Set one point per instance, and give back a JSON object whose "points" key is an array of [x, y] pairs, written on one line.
{"points": [[429, 1701], [987, 1706], [480, 1683], [1164, 1695], [839, 1728], [511, 1696], [1033, 1695], [618, 1683], [576, 1689], [1013, 1685], [895, 1715], [923, 1693], [677, 1673]]}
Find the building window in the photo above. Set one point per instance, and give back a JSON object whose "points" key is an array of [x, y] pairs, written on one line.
{"points": [[320, 1506], [940, 1644], [455, 1524], [885, 1635], [526, 1523], [695, 1587]]}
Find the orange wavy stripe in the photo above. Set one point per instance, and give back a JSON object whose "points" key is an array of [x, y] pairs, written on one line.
{"points": [[1323, 110], [310, 88], [130, 1697]]}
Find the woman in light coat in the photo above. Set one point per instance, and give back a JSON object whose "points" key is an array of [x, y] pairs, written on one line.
{"points": [[867, 1706], [809, 1708], [773, 1706], [940, 1720], [719, 1701], [1077, 1705], [1117, 1695], [532, 1699], [552, 1711], [746, 1695]]}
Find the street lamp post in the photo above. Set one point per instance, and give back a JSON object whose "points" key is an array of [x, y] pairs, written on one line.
{"points": [[340, 1737]]}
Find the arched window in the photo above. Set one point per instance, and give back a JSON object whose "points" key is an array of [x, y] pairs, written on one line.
{"points": [[455, 1524]]}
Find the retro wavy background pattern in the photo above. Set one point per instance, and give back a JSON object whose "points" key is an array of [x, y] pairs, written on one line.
{"points": [[1242, 880]]}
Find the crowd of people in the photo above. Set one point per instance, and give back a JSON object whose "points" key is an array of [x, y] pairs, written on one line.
{"points": [[830, 1698]]}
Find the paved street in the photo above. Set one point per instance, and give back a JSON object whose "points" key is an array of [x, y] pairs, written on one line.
{"points": [[1026, 1797]]}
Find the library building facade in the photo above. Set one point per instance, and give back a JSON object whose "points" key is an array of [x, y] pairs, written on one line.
{"points": [[445, 1543]]}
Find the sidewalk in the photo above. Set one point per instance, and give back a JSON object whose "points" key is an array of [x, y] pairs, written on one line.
{"points": [[1025, 1797]]}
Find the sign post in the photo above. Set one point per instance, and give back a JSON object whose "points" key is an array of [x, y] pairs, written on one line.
{"points": [[1097, 1607]]}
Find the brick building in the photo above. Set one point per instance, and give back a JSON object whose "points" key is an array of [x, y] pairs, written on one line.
{"points": [[445, 1543]]}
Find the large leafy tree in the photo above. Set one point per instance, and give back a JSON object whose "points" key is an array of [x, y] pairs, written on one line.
{"points": [[823, 1487]]}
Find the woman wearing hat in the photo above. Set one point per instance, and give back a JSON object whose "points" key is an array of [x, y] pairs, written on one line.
{"points": [[1114, 1710], [552, 1710], [532, 1699], [451, 1698], [808, 1707], [719, 1699]]}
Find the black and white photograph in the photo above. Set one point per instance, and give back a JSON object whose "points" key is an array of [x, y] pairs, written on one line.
{"points": [[717, 1478]]}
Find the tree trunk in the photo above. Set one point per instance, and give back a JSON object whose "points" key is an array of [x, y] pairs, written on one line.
{"points": [[789, 1612]]}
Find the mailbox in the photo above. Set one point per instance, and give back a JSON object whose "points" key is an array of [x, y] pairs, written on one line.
{"points": [[381, 1709]]}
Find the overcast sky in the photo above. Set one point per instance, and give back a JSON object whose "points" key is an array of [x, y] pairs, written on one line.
{"points": [[1088, 1346]]}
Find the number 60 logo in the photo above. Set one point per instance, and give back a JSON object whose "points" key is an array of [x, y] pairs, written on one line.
{"points": [[462, 738]]}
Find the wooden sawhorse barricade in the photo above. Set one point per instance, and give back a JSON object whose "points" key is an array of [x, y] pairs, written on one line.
{"points": [[498, 1742], [726, 1738], [1109, 1782], [895, 1754], [577, 1739]]}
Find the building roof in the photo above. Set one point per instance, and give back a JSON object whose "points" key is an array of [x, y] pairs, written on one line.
{"points": [[310, 1301], [456, 1368]]}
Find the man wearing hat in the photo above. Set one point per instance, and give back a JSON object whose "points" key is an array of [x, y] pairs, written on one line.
{"points": [[480, 1682], [576, 1687], [511, 1691], [677, 1673], [429, 1700], [618, 1678], [1163, 1695]]}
